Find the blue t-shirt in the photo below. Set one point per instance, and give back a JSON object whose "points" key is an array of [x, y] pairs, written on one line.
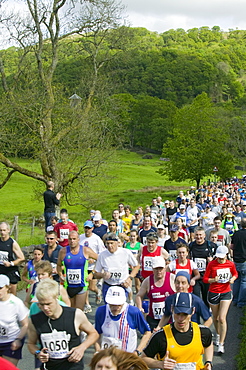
{"points": [[143, 233], [135, 319], [201, 310]]}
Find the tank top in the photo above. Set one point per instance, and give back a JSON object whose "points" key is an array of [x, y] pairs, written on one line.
{"points": [[76, 268], [6, 254], [59, 336], [157, 296], [32, 274], [146, 261], [186, 354], [135, 249], [186, 268]]}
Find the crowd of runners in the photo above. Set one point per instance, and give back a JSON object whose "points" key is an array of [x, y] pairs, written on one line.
{"points": [[168, 271]]}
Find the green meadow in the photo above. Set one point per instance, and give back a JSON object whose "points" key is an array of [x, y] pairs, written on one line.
{"points": [[130, 179]]}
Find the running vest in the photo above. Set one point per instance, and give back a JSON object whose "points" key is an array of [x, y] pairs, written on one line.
{"points": [[135, 249], [157, 296], [189, 354], [76, 268], [146, 261], [118, 332], [6, 254], [32, 274], [186, 268], [59, 336]]}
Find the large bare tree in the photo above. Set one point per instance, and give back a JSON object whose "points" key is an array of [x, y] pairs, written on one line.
{"points": [[70, 143]]}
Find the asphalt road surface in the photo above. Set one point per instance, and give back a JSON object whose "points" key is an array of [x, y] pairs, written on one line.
{"points": [[225, 361]]}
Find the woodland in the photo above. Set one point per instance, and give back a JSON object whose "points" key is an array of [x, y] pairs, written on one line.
{"points": [[178, 93]]}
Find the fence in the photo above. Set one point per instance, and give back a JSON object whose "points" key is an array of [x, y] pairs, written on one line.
{"points": [[26, 228]]}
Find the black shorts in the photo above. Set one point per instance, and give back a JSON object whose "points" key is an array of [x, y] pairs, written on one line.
{"points": [[5, 350], [14, 277], [216, 298], [73, 291]]}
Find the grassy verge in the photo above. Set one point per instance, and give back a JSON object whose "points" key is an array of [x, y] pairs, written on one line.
{"points": [[241, 356]]}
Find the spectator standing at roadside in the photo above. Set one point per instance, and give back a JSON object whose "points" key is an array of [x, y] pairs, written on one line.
{"points": [[50, 201]]}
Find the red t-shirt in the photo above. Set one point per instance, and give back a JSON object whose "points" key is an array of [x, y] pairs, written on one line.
{"points": [[225, 271], [63, 231]]}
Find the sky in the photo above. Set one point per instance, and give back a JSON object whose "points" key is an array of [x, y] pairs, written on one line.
{"points": [[162, 15]]}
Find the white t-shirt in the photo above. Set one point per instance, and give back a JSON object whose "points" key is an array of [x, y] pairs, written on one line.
{"points": [[207, 219], [95, 243], [117, 264], [11, 312]]}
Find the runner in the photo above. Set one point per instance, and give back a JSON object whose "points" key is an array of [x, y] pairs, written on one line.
{"points": [[117, 323], [148, 252], [220, 273], [75, 260], [181, 343], [158, 286], [182, 263], [115, 359], [113, 265], [58, 330], [13, 323], [11, 257], [201, 252], [64, 227], [134, 246], [29, 274], [182, 285]]}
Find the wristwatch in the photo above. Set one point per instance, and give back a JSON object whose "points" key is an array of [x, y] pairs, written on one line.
{"points": [[138, 352], [37, 353]]}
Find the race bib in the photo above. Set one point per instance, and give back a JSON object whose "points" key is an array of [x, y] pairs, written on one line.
{"points": [[201, 264], [186, 366], [64, 233], [4, 332], [173, 254], [115, 275], [74, 276], [158, 309], [224, 275], [147, 263], [4, 257], [57, 343], [110, 341]]}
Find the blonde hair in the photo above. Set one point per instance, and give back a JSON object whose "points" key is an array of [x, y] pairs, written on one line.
{"points": [[47, 288]]}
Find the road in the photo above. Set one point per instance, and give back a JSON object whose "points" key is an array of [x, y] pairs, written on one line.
{"points": [[226, 361]]}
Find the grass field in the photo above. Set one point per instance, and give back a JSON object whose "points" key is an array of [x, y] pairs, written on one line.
{"points": [[132, 180]]}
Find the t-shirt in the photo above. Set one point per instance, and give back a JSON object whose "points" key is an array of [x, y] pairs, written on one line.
{"points": [[117, 264], [120, 330], [95, 243], [11, 312], [224, 271], [201, 310], [63, 231]]}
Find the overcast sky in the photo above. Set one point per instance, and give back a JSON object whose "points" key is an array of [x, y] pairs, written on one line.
{"points": [[162, 15]]}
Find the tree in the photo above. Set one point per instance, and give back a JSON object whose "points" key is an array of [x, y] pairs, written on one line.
{"points": [[70, 144], [197, 143]]}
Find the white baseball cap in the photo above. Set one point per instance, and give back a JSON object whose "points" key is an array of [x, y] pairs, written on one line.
{"points": [[221, 251], [115, 295], [158, 262], [4, 280]]}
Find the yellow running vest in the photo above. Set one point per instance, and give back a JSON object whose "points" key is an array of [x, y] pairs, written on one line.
{"points": [[188, 356]]}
